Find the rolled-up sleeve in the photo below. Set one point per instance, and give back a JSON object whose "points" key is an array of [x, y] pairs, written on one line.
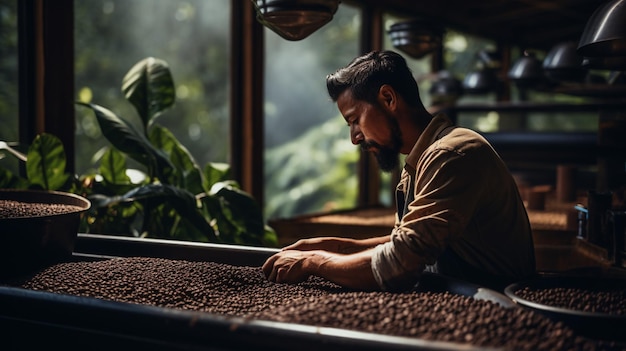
{"points": [[398, 264], [389, 271]]}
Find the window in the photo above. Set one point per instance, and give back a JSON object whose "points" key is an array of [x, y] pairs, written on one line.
{"points": [[421, 68], [192, 36], [310, 162], [422, 72]]}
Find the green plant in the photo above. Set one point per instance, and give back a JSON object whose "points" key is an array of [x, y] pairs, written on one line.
{"points": [[175, 198]]}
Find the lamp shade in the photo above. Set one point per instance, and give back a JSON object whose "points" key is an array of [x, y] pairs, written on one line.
{"points": [[605, 32], [481, 81], [563, 63], [295, 19], [527, 71], [445, 88], [417, 38]]}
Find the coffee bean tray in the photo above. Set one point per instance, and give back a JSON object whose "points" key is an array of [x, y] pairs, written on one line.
{"points": [[591, 306], [124, 293]]}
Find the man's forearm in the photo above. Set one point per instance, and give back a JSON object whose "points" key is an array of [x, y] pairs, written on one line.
{"points": [[351, 271], [372, 242]]}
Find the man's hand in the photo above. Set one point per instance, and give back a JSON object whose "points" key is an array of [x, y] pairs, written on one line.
{"points": [[292, 266], [287, 267]]}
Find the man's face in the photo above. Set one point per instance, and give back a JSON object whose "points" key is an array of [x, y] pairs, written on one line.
{"points": [[373, 128]]}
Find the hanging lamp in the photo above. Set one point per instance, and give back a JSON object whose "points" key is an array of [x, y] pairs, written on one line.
{"points": [[295, 19], [603, 42], [417, 37]]}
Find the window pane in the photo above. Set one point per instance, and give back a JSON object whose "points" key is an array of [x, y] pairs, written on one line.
{"points": [[310, 162], [8, 82], [192, 36], [421, 69]]}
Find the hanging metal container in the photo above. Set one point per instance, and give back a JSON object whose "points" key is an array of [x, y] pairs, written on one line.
{"points": [[603, 42], [481, 81], [564, 64], [527, 72], [295, 19], [417, 37]]}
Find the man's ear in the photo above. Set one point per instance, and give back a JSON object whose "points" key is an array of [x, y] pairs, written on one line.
{"points": [[387, 97]]}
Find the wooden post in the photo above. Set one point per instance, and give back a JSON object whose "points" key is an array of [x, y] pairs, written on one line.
{"points": [[246, 109], [46, 71]]}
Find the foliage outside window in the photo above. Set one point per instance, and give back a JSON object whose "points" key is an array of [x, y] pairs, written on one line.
{"points": [[176, 197], [310, 162], [192, 36]]}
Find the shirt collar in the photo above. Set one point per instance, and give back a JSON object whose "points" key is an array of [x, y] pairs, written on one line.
{"points": [[432, 132]]}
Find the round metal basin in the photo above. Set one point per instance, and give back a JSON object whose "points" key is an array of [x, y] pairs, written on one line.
{"points": [[604, 326], [32, 238]]}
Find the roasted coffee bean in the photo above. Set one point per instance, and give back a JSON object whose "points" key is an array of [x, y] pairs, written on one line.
{"points": [[597, 300], [19, 209], [244, 292]]}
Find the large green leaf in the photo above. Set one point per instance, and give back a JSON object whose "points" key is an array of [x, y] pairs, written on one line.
{"points": [[45, 165], [113, 167], [150, 88], [123, 136], [191, 177], [183, 201], [215, 172], [240, 214]]}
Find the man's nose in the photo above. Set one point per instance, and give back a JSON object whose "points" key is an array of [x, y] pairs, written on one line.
{"points": [[355, 134]]}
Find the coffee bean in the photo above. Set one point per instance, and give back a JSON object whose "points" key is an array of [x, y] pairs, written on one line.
{"points": [[19, 209], [597, 300], [244, 292]]}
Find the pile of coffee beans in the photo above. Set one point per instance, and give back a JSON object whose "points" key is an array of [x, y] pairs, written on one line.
{"points": [[19, 209], [432, 316], [201, 286], [608, 300], [244, 292]]}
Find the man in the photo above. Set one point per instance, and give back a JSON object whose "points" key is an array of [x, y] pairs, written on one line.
{"points": [[459, 212]]}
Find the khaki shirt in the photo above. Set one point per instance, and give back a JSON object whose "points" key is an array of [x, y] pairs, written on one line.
{"points": [[456, 198]]}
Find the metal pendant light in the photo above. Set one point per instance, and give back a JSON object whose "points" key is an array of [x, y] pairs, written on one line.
{"points": [[603, 42], [445, 89], [484, 79], [295, 19], [527, 71], [417, 37], [564, 64]]}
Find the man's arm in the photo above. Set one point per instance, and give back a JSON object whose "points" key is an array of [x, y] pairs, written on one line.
{"points": [[351, 271], [337, 244]]}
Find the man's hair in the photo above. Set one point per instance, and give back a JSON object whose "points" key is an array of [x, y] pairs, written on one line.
{"points": [[366, 74]]}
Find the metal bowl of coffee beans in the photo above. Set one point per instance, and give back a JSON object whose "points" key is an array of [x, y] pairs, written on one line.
{"points": [[592, 306], [37, 228]]}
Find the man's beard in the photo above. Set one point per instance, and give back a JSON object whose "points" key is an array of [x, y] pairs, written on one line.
{"points": [[387, 156]]}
